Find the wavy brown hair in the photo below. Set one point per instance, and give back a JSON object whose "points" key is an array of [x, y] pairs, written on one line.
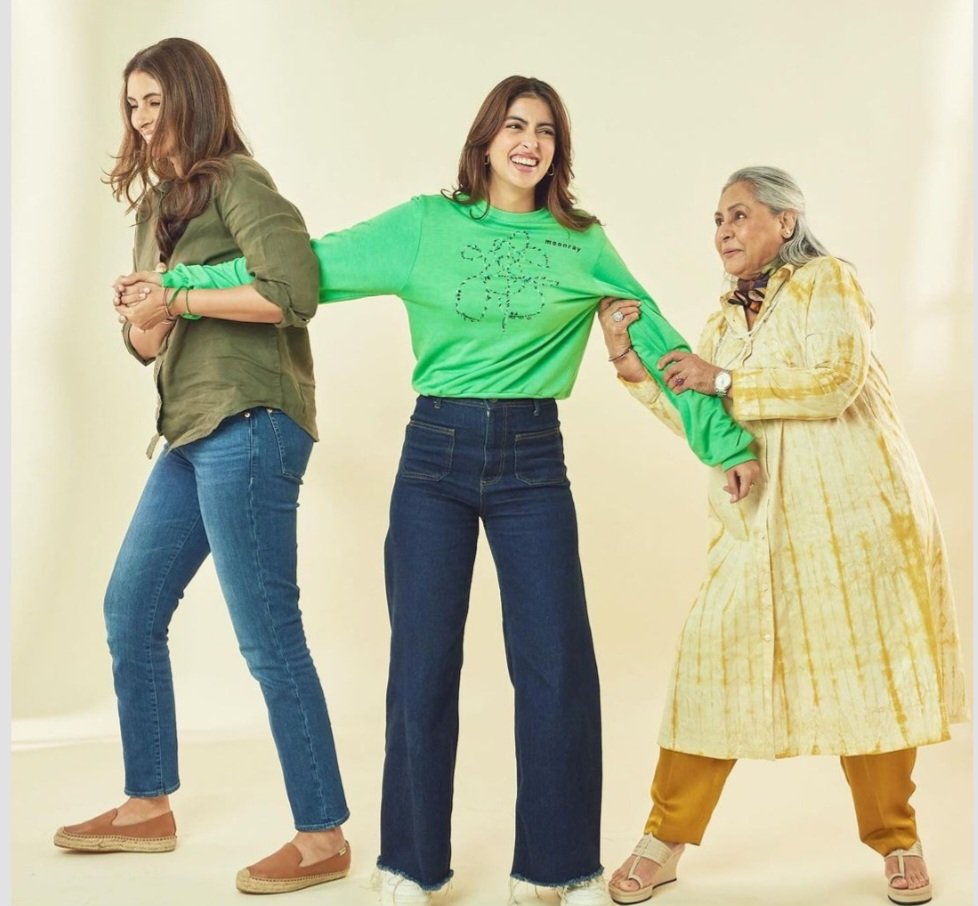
{"points": [[196, 124], [553, 191]]}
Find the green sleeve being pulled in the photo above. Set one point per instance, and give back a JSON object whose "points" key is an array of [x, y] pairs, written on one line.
{"points": [[209, 276], [710, 431], [269, 230], [373, 258]]}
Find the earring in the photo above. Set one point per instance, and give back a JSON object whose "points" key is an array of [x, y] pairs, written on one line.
{"points": [[551, 171], [486, 161]]}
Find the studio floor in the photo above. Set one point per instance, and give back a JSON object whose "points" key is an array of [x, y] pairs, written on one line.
{"points": [[783, 834]]}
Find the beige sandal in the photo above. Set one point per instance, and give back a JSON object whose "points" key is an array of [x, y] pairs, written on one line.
{"points": [[906, 896], [656, 851]]}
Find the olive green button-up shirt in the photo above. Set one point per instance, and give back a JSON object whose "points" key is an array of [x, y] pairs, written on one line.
{"points": [[211, 368]]}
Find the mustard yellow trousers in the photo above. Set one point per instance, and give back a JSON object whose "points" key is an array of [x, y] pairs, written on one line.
{"points": [[686, 789]]}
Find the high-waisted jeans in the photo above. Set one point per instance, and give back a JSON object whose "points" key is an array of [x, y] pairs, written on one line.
{"points": [[500, 462], [233, 494]]}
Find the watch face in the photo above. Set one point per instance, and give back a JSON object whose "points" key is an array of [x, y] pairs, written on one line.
{"points": [[722, 381]]}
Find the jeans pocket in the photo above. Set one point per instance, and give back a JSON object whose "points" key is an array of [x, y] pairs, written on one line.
{"points": [[294, 444], [539, 457], [428, 451]]}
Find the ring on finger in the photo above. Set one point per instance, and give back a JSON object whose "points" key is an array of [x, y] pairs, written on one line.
{"points": [[618, 317]]}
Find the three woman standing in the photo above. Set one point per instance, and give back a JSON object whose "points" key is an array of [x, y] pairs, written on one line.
{"points": [[500, 280]]}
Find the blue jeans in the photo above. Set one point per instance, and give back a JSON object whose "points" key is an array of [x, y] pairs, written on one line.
{"points": [[501, 462], [233, 494]]}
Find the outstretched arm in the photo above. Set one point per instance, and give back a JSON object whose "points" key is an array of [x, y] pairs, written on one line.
{"points": [[710, 431], [615, 317], [373, 258]]}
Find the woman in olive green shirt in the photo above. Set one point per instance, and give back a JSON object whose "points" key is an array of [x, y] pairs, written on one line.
{"points": [[236, 408]]}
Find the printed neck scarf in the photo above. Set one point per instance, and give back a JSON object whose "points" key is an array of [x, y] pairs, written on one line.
{"points": [[750, 293]]}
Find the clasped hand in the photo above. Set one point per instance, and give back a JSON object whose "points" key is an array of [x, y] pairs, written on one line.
{"points": [[139, 299]]}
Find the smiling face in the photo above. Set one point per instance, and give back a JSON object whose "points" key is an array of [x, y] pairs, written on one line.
{"points": [[145, 99], [520, 154], [749, 234]]}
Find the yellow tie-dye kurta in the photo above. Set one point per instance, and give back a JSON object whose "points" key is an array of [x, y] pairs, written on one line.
{"points": [[825, 623]]}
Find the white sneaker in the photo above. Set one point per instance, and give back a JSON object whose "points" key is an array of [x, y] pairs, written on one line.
{"points": [[396, 890], [587, 893]]}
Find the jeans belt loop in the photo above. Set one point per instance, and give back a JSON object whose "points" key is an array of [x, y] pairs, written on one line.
{"points": [[437, 402], [536, 407]]}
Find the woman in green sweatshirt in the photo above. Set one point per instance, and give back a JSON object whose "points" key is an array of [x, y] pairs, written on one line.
{"points": [[501, 280]]}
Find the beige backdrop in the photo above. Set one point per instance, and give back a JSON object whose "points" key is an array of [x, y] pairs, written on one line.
{"points": [[354, 106]]}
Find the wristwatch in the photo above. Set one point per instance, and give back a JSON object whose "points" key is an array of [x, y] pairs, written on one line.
{"points": [[722, 382]]}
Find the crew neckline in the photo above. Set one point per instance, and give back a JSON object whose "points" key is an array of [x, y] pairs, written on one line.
{"points": [[484, 211]]}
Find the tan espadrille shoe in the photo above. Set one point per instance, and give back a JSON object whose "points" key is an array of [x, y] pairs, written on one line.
{"points": [[100, 835], [282, 871]]}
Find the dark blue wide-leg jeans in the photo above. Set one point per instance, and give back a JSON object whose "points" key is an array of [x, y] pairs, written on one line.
{"points": [[232, 494], [500, 462]]}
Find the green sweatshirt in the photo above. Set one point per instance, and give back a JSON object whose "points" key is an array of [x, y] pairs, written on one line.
{"points": [[500, 305]]}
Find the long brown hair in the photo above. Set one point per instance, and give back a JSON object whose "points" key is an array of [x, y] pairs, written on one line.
{"points": [[196, 123], [553, 191]]}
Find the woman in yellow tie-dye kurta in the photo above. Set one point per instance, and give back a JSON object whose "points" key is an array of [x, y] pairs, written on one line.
{"points": [[825, 623]]}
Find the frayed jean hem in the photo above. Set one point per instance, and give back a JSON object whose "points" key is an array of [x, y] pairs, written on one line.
{"points": [[583, 879], [431, 888]]}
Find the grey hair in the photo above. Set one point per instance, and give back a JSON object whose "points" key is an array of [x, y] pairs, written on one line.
{"points": [[779, 192]]}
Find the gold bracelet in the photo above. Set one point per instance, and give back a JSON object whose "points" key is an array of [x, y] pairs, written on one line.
{"points": [[168, 301], [186, 300], [622, 355]]}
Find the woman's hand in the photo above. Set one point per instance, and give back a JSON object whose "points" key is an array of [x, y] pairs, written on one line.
{"points": [[141, 304], [122, 283], [615, 315], [127, 292], [688, 371], [740, 479]]}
